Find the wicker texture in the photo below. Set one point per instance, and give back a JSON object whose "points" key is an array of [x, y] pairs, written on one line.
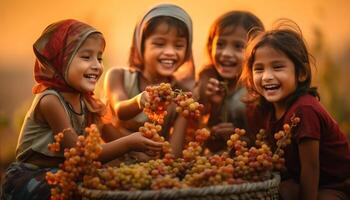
{"points": [[259, 190]]}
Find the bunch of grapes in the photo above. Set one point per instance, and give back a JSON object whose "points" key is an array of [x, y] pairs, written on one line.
{"points": [[283, 138], [201, 135], [234, 143], [79, 162], [193, 150], [160, 96], [55, 146], [151, 131], [250, 164], [187, 106], [166, 182], [207, 171]]}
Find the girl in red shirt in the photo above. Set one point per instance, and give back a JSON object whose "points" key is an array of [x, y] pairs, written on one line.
{"points": [[278, 75]]}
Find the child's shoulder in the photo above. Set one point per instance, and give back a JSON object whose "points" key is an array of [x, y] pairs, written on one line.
{"points": [[118, 74], [306, 101], [308, 105], [117, 71]]}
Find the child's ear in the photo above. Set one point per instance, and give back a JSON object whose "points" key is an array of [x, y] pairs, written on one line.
{"points": [[302, 76]]}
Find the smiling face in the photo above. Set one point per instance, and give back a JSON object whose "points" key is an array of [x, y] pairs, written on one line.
{"points": [[227, 51], [86, 66], [164, 51], [273, 75]]}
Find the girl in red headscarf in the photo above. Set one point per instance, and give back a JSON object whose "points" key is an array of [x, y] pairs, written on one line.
{"points": [[67, 68]]}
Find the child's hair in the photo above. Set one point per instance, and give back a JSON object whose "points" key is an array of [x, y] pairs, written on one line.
{"points": [[55, 50], [232, 20], [173, 16], [287, 38]]}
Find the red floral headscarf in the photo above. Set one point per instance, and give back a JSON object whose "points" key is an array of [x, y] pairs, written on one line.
{"points": [[54, 52]]}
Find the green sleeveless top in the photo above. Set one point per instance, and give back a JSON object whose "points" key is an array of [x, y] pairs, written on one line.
{"points": [[36, 136]]}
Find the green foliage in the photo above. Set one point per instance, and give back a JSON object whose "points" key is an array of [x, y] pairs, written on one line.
{"points": [[331, 82]]}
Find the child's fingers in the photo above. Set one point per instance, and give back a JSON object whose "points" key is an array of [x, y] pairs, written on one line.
{"points": [[214, 82], [213, 85], [156, 146]]}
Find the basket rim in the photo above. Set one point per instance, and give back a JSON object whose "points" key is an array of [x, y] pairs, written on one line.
{"points": [[185, 192]]}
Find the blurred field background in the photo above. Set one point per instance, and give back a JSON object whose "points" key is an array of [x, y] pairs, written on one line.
{"points": [[324, 24]]}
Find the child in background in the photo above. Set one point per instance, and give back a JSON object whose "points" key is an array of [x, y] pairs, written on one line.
{"points": [[277, 72], [217, 86], [162, 44], [67, 68]]}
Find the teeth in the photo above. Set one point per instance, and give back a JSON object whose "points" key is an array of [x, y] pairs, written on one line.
{"points": [[269, 87], [91, 76], [167, 61], [227, 64]]}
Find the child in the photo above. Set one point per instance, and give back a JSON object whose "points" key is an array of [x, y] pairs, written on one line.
{"points": [[277, 71], [217, 86], [161, 44], [68, 65]]}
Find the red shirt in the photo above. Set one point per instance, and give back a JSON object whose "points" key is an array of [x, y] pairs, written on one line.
{"points": [[315, 123]]}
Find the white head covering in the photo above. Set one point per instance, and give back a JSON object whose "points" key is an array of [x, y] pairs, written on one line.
{"points": [[185, 73], [163, 10]]}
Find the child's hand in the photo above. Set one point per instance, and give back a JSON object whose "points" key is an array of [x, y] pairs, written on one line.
{"points": [[142, 99], [138, 142], [223, 130], [215, 93], [141, 156]]}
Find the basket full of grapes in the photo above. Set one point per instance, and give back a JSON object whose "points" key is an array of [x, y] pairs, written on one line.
{"points": [[241, 172]]}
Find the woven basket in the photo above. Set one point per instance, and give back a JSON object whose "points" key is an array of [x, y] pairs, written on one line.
{"points": [[258, 190]]}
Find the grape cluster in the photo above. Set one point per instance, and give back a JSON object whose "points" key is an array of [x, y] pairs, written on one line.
{"points": [[283, 138], [55, 146], [197, 168], [151, 131], [79, 161], [160, 96], [187, 106]]}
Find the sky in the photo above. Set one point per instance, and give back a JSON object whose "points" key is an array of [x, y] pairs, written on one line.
{"points": [[22, 22]]}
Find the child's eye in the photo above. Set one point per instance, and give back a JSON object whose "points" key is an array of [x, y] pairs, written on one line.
{"points": [[85, 57], [220, 45], [180, 45], [158, 43], [278, 67], [100, 60], [239, 46], [257, 69]]}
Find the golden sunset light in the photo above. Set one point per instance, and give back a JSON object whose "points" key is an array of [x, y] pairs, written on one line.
{"points": [[324, 23]]}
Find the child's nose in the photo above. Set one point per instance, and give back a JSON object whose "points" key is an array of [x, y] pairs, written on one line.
{"points": [[97, 65], [169, 50], [227, 51], [267, 75]]}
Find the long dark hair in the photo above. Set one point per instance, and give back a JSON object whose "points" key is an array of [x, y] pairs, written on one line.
{"points": [[232, 19], [286, 37]]}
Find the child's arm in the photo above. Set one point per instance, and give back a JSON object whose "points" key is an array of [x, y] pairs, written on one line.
{"points": [[209, 92], [128, 143], [124, 107], [177, 139], [51, 111], [310, 169]]}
